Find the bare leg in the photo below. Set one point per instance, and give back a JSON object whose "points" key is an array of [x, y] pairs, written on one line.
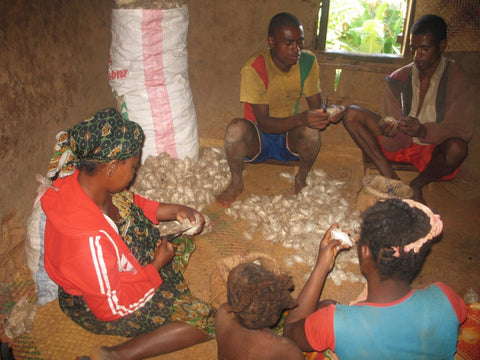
{"points": [[445, 159], [167, 338], [306, 143], [241, 140], [362, 126]]}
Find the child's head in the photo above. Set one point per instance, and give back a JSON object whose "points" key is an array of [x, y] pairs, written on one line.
{"points": [[399, 234], [257, 296]]}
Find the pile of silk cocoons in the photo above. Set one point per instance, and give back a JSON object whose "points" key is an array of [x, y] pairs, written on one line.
{"points": [[296, 221], [183, 181], [300, 221]]}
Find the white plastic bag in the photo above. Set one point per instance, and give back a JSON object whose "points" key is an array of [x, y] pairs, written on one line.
{"points": [[149, 70], [46, 289], [34, 234]]}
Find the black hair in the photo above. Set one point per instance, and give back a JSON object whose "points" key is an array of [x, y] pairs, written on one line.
{"points": [[88, 166], [257, 296], [392, 223], [433, 24], [282, 19]]}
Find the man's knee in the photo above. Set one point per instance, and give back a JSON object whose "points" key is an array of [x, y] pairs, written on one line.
{"points": [[350, 111], [304, 134], [237, 130], [356, 116], [305, 141], [351, 116], [455, 150]]}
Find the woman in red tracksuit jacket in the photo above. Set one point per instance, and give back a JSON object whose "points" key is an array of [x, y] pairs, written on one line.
{"points": [[115, 274]]}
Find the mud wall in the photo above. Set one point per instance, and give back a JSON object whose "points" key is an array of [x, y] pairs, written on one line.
{"points": [[54, 60]]}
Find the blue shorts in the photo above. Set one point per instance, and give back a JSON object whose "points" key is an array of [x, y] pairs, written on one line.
{"points": [[272, 146]]}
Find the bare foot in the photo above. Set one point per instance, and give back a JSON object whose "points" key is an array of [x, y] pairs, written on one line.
{"points": [[300, 183], [103, 353], [228, 196], [418, 195]]}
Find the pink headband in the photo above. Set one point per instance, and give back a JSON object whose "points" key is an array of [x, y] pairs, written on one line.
{"points": [[436, 228]]}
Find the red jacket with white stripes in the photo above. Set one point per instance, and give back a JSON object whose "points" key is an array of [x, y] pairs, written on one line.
{"points": [[86, 256]]}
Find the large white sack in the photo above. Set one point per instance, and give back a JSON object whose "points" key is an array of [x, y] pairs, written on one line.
{"points": [[149, 70]]}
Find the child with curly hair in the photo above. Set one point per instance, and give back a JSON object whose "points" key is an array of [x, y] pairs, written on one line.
{"points": [[256, 298]]}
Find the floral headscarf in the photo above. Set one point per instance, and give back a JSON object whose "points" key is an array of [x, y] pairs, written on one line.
{"points": [[105, 136]]}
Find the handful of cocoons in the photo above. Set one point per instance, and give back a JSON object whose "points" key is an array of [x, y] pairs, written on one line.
{"points": [[342, 237], [193, 230], [391, 120], [335, 110], [335, 113]]}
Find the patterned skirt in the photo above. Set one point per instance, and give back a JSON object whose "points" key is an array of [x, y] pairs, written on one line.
{"points": [[171, 302]]}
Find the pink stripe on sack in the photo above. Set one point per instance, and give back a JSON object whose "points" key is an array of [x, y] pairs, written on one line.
{"points": [[152, 44]]}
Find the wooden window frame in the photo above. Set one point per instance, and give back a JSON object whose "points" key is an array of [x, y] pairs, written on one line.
{"points": [[321, 38]]}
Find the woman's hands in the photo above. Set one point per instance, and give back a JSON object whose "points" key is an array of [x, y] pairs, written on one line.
{"points": [[170, 212], [196, 219], [164, 253]]}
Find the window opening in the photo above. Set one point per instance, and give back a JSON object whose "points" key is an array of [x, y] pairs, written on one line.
{"points": [[370, 27], [338, 72]]}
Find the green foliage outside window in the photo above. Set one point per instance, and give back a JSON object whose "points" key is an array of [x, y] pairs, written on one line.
{"points": [[366, 26]]}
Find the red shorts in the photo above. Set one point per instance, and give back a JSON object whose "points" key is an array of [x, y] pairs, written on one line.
{"points": [[417, 155]]}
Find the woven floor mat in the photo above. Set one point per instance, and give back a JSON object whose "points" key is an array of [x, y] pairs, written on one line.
{"points": [[453, 260], [52, 325], [219, 251], [216, 253], [21, 285]]}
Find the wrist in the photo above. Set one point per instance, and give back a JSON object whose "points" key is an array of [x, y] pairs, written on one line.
{"points": [[156, 264], [422, 131], [320, 270], [303, 118]]}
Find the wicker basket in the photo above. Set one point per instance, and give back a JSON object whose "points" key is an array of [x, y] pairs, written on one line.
{"points": [[377, 187]]}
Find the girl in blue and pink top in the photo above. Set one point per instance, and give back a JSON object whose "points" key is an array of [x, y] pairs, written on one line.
{"points": [[394, 321]]}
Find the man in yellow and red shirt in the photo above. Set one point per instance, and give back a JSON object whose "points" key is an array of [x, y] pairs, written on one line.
{"points": [[273, 82]]}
